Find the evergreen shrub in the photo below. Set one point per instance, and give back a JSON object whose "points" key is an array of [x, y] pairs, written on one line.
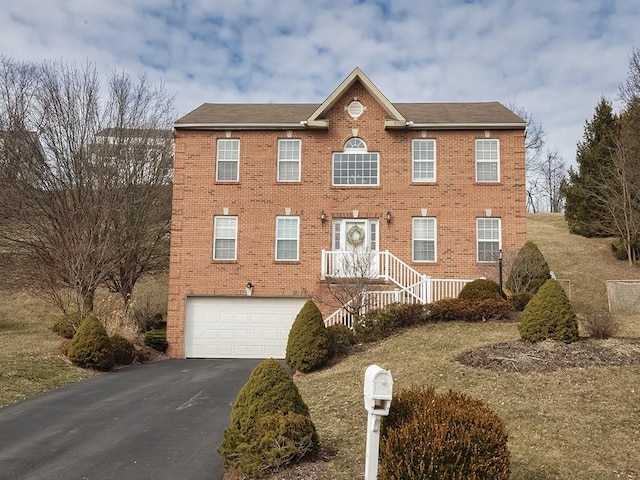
{"points": [[90, 347], [67, 325], [156, 339], [480, 289], [457, 309], [442, 437], [123, 350], [520, 300], [308, 342], [270, 423], [341, 339], [549, 315], [529, 270], [619, 249], [380, 323]]}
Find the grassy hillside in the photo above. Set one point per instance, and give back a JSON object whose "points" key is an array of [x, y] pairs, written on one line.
{"points": [[587, 262]]}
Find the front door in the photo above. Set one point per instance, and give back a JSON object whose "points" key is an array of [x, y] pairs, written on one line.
{"points": [[355, 242]]}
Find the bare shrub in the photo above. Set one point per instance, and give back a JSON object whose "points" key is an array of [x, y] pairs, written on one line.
{"points": [[148, 313], [116, 319], [600, 324]]}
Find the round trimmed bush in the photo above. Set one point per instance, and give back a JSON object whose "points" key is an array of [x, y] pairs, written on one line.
{"points": [[454, 309], [308, 342], [529, 270], [549, 314], [90, 347], [480, 289], [123, 351], [270, 424], [67, 325], [156, 339], [442, 437]]}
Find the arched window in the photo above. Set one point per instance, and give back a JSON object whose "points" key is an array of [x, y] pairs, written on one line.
{"points": [[355, 144], [355, 165]]}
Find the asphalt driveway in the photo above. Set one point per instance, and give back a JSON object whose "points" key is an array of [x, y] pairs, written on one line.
{"points": [[158, 421]]}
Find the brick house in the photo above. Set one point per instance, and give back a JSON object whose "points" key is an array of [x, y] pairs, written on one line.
{"points": [[272, 200]]}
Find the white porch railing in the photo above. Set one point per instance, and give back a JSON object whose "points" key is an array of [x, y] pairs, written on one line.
{"points": [[375, 299], [383, 265], [415, 287]]}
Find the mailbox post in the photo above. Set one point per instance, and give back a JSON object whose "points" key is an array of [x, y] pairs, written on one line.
{"points": [[378, 390]]}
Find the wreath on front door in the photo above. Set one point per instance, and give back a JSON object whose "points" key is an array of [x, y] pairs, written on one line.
{"points": [[355, 236]]}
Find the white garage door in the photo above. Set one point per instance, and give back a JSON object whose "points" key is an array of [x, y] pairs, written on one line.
{"points": [[239, 327]]}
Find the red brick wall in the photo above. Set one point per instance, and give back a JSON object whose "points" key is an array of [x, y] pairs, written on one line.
{"points": [[455, 200]]}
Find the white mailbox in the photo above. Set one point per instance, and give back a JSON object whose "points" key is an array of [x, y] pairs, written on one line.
{"points": [[378, 390]]}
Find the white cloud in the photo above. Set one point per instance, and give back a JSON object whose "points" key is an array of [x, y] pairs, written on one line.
{"points": [[554, 59]]}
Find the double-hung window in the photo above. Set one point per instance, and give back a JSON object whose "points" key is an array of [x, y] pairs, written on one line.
{"points": [[228, 160], [424, 160], [355, 165], [287, 238], [225, 238], [487, 160], [489, 239], [289, 160], [424, 239]]}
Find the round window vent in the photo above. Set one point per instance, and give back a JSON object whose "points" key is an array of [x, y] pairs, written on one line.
{"points": [[355, 109]]}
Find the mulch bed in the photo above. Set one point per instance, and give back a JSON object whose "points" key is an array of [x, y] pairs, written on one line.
{"points": [[549, 356]]}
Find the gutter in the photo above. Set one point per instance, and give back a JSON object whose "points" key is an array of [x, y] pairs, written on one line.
{"points": [[249, 126], [394, 124]]}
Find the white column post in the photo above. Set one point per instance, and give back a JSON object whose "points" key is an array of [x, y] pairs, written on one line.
{"points": [[373, 447], [378, 391]]}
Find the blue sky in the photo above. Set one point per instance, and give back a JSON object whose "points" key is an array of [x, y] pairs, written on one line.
{"points": [[553, 58]]}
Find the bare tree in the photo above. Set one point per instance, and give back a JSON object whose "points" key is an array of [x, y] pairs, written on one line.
{"points": [[534, 145], [351, 279], [82, 206], [619, 194], [619, 198], [551, 173]]}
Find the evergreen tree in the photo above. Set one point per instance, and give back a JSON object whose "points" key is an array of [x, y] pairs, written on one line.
{"points": [[593, 156]]}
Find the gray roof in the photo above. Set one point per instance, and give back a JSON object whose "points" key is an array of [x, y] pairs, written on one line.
{"points": [[230, 113], [464, 113], [489, 113]]}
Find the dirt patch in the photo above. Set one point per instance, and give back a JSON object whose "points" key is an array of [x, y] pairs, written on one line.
{"points": [[312, 469], [549, 356]]}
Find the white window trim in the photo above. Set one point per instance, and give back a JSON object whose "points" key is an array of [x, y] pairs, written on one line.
{"points": [[299, 141], [497, 161], [484, 240], [355, 146], [235, 238], [413, 161], [435, 239], [237, 160], [297, 239]]}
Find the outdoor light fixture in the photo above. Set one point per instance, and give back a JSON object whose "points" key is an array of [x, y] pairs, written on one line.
{"points": [[323, 217], [388, 217], [249, 288]]}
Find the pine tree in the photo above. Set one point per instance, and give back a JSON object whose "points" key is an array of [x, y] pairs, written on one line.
{"points": [[593, 157]]}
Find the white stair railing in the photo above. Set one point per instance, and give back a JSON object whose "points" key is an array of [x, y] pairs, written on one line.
{"points": [[383, 265], [415, 287]]}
